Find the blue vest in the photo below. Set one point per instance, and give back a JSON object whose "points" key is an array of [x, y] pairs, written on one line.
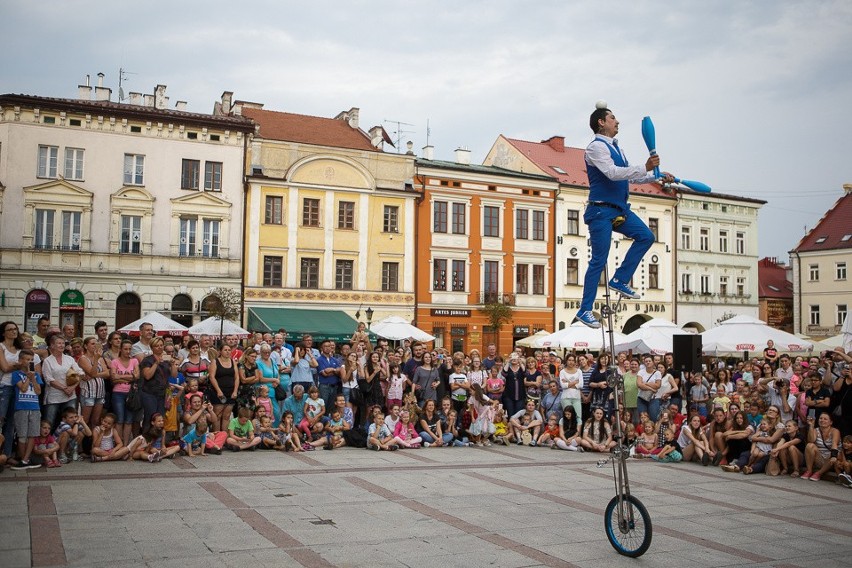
{"points": [[601, 188]]}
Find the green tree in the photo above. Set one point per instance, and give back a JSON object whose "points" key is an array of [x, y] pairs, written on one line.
{"points": [[498, 314], [228, 305]]}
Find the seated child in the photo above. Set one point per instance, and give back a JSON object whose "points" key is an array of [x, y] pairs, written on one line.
{"points": [[314, 410], [241, 434], [334, 430], [288, 434], [107, 444], [670, 452], [501, 427], [70, 433], [404, 433], [646, 445], [843, 465], [46, 448], [195, 440], [551, 432], [760, 447], [379, 437], [268, 437]]}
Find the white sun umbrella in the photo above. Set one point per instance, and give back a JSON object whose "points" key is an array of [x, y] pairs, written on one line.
{"points": [[653, 336], [745, 333], [396, 328], [530, 341], [216, 327], [577, 336], [847, 334], [162, 325]]}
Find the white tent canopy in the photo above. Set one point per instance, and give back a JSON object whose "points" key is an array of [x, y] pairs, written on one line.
{"points": [[847, 334], [396, 328], [162, 325], [745, 333], [215, 327], [577, 336], [530, 341], [654, 336]]}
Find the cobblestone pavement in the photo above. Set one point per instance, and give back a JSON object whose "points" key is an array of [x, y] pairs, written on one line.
{"points": [[508, 506]]}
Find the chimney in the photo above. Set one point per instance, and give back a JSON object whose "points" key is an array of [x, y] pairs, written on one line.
{"points": [[376, 137], [180, 105], [136, 99], [100, 79], [84, 92], [847, 187], [350, 116], [556, 142], [227, 97], [428, 152], [149, 100], [161, 101], [102, 93], [463, 156]]}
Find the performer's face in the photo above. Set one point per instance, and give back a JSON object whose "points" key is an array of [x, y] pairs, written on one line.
{"points": [[609, 126]]}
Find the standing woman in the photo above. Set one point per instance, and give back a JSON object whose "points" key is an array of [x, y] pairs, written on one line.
{"points": [[194, 366], [669, 387], [155, 369], [55, 369], [124, 371], [10, 348], [350, 371], [599, 386], [426, 380], [514, 393], [267, 374], [247, 377], [532, 380], [113, 348], [571, 383], [374, 373], [93, 387], [302, 363], [225, 382], [649, 380]]}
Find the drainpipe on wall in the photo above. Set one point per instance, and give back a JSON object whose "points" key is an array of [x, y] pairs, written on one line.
{"points": [[555, 257], [798, 294], [674, 261], [244, 239]]}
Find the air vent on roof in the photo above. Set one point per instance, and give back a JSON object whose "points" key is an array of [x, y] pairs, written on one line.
{"points": [[558, 170], [821, 240], [846, 238], [774, 288], [256, 171]]}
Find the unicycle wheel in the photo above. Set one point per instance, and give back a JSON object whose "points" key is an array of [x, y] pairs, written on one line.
{"points": [[632, 537]]}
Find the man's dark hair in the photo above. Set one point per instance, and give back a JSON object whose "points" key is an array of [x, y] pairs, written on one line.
{"points": [[599, 114], [99, 324]]}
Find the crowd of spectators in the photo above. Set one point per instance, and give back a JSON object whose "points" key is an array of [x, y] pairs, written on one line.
{"points": [[107, 398]]}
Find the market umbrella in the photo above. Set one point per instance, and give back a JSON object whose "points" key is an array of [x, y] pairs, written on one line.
{"points": [[577, 336], [162, 325], [217, 327], [530, 341], [745, 333], [653, 336], [396, 328]]}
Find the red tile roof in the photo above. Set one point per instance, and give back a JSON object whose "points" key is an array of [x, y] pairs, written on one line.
{"points": [[832, 229], [553, 152], [306, 129], [772, 280]]}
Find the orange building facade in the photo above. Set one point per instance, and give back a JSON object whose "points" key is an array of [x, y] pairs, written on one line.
{"points": [[485, 236]]}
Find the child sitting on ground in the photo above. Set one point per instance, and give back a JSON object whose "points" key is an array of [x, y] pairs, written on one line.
{"points": [[551, 432], [288, 434], [334, 430], [241, 434], [453, 428], [46, 448], [268, 438], [107, 444], [314, 409], [670, 452], [404, 433], [843, 465], [501, 427], [378, 436], [647, 443], [195, 440], [482, 408], [721, 400], [191, 388], [760, 447], [70, 433]]}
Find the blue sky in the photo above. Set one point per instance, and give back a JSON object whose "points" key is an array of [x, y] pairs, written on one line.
{"points": [[749, 97]]}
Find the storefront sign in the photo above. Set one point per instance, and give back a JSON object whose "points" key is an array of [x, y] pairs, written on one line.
{"points": [[37, 296], [623, 307], [72, 300], [450, 313], [521, 330]]}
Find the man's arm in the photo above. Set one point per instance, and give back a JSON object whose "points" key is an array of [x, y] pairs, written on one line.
{"points": [[598, 154]]}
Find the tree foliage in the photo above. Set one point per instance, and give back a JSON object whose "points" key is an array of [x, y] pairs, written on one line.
{"points": [[498, 314]]}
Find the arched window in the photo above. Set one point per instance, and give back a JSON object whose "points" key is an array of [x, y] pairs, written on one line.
{"points": [[128, 308], [182, 309], [209, 304]]}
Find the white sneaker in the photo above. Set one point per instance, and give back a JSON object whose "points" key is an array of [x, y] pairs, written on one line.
{"points": [[426, 444], [844, 479]]}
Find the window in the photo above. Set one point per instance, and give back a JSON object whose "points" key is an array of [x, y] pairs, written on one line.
{"points": [[74, 163], [309, 276], [704, 240], [573, 227], [187, 237], [654, 276], [439, 223], [492, 221], [213, 176], [723, 285], [391, 219], [723, 241], [343, 274], [814, 273], [522, 224], [189, 173], [841, 314], [741, 286], [273, 214], [131, 234], [210, 244], [459, 218], [705, 284], [459, 275], [134, 169], [71, 230], [538, 226], [686, 238], [272, 270], [686, 283], [522, 275], [654, 226], [572, 271], [491, 285], [814, 315], [840, 271], [346, 215], [538, 279], [390, 277], [44, 228], [740, 242], [48, 157], [311, 212], [439, 274]]}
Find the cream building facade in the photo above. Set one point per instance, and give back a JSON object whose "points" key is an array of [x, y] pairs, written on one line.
{"points": [[111, 210], [330, 223]]}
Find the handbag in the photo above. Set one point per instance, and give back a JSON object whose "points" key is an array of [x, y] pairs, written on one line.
{"points": [[133, 402], [773, 468], [280, 392]]}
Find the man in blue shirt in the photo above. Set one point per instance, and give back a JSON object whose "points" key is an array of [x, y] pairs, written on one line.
{"points": [[609, 179], [328, 373]]}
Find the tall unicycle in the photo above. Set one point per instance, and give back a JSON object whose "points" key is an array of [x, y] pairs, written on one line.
{"points": [[626, 520]]}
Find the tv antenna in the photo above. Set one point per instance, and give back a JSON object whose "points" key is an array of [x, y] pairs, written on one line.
{"points": [[397, 134], [428, 131], [122, 76]]}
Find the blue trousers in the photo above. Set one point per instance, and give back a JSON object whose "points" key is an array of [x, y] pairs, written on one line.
{"points": [[599, 219]]}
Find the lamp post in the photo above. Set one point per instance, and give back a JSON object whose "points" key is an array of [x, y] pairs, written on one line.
{"points": [[369, 314]]}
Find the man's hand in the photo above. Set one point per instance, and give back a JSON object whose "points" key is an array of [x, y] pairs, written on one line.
{"points": [[653, 162]]}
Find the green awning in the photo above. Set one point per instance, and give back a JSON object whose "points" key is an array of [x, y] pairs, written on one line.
{"points": [[321, 324]]}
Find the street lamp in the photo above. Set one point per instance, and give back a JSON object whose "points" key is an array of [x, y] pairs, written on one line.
{"points": [[369, 314]]}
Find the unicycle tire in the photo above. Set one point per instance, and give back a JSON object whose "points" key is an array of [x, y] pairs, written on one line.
{"points": [[634, 540]]}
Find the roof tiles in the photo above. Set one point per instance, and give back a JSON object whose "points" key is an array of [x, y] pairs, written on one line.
{"points": [[834, 230], [307, 129]]}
